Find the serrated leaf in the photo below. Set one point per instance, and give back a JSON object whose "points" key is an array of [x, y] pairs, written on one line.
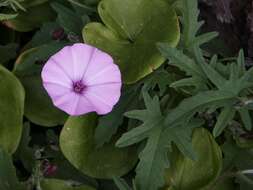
{"points": [[109, 124], [151, 118], [190, 21], [160, 78], [204, 38], [226, 115], [246, 118], [154, 158], [153, 161], [189, 106], [182, 61], [216, 78], [128, 37], [78, 145], [12, 98]]}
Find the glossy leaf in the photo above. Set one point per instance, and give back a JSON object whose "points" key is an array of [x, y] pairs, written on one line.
{"points": [[78, 145], [132, 29], [12, 98], [192, 175]]}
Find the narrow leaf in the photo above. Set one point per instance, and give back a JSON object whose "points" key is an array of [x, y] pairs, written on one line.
{"points": [[224, 118]]}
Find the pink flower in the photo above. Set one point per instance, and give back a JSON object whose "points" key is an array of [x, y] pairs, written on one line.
{"points": [[82, 79]]}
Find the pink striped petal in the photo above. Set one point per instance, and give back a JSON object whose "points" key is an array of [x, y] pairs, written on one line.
{"points": [[82, 79]]}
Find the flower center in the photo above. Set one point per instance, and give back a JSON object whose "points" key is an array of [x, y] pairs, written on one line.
{"points": [[78, 87]]}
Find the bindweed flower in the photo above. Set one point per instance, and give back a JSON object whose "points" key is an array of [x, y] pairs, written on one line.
{"points": [[82, 79]]}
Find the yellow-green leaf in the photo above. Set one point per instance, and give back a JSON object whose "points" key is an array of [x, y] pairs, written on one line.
{"points": [[186, 174], [78, 145], [132, 29], [12, 97], [56, 184]]}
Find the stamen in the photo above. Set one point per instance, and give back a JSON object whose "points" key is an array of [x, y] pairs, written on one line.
{"points": [[78, 87]]}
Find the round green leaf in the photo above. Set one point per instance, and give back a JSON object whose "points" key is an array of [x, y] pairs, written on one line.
{"points": [[195, 175], [32, 18], [56, 184], [132, 29], [12, 98], [38, 106], [78, 145]]}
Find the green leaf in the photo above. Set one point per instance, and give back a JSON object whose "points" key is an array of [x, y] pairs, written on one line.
{"points": [[56, 184], [121, 184], [241, 63], [192, 175], [226, 115], [216, 78], [154, 158], [151, 117], [109, 124], [38, 106], [78, 145], [8, 178], [68, 19], [236, 160], [32, 18], [190, 21], [189, 106], [43, 36], [12, 97], [153, 161], [7, 52], [32, 3], [181, 136], [246, 118], [225, 184], [183, 62], [132, 29], [204, 38], [24, 152], [7, 16], [160, 78]]}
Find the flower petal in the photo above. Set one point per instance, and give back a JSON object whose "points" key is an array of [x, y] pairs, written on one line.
{"points": [[82, 55], [90, 66], [51, 72], [101, 70], [103, 97], [56, 89], [63, 59], [83, 106], [66, 102]]}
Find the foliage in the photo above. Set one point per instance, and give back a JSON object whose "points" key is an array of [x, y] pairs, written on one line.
{"points": [[183, 121]]}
